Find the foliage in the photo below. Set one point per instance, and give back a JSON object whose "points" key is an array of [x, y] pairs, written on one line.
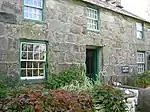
{"points": [[108, 98], [140, 80], [87, 85], [143, 80], [3, 90], [53, 101], [67, 101], [66, 77], [8, 83]]}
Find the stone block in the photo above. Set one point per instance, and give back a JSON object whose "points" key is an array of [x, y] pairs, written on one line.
{"points": [[12, 69], [58, 26], [76, 29], [3, 43], [3, 69], [12, 55], [71, 38], [58, 57], [62, 47], [8, 18], [81, 21], [2, 29], [82, 48]]}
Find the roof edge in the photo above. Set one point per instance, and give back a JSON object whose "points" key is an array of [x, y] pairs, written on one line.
{"points": [[115, 9]]}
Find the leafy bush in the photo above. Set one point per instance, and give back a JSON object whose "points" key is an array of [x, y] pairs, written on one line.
{"points": [[109, 99], [3, 90], [140, 80], [143, 80], [53, 101], [67, 101], [66, 77], [88, 85]]}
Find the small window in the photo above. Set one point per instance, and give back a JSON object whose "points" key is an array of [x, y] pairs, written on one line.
{"points": [[92, 19], [139, 30], [33, 9], [32, 60], [141, 62]]}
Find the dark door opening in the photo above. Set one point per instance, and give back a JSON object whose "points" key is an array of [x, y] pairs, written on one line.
{"points": [[92, 63]]}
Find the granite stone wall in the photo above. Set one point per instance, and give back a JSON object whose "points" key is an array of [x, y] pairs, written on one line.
{"points": [[64, 27]]}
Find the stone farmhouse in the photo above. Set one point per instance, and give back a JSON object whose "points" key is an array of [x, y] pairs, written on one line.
{"points": [[42, 36]]}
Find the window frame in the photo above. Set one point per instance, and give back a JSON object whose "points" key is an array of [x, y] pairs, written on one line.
{"points": [[140, 62], [44, 61], [140, 31], [35, 7], [93, 19]]}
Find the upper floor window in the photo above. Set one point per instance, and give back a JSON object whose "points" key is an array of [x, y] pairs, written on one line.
{"points": [[141, 62], [32, 60], [139, 30], [92, 19], [33, 9]]}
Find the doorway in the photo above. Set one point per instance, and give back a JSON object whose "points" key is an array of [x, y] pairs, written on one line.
{"points": [[92, 63]]}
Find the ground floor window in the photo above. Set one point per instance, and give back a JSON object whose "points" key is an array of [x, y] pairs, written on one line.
{"points": [[141, 62], [32, 60]]}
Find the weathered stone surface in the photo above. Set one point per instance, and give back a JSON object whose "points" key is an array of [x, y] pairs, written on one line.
{"points": [[76, 29], [8, 18], [2, 29], [144, 100], [64, 28]]}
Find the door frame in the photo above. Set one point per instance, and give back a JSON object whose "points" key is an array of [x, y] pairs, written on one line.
{"points": [[96, 61]]}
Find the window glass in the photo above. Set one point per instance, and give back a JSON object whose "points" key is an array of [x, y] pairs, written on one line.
{"points": [[33, 9], [33, 59], [141, 62], [92, 19]]}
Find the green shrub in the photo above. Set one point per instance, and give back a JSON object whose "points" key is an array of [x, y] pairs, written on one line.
{"points": [[88, 85], [3, 90], [109, 99], [143, 80], [140, 80], [66, 77]]}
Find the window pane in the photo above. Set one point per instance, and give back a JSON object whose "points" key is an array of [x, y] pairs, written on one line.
{"points": [[29, 64], [28, 2], [33, 13], [30, 55], [36, 47], [139, 26], [38, 3], [23, 64], [36, 56], [41, 72], [139, 35], [35, 72], [30, 47], [42, 55], [24, 55], [41, 65], [23, 73], [35, 64], [24, 47], [29, 72], [141, 68]]}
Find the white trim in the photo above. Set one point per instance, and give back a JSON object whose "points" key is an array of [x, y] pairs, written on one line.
{"points": [[93, 17], [34, 77], [40, 45]]}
